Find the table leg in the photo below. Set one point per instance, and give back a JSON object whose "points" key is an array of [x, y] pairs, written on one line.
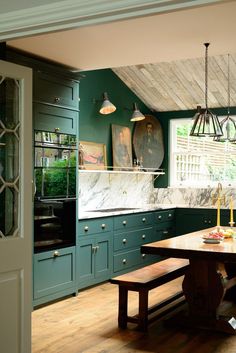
{"points": [[204, 289]]}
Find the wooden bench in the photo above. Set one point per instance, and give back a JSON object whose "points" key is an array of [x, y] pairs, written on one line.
{"points": [[143, 280]]}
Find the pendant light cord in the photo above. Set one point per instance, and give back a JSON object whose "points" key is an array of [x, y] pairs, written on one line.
{"points": [[206, 73], [228, 88]]}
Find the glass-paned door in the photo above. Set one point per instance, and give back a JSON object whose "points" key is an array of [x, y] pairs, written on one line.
{"points": [[15, 207]]}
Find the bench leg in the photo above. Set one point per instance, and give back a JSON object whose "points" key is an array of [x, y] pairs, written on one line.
{"points": [[123, 307], [143, 310]]}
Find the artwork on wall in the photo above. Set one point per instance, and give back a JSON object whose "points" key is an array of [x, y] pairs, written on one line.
{"points": [[92, 155], [148, 142], [121, 147]]}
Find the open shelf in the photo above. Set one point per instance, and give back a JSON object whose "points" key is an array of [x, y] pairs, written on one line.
{"points": [[113, 170]]}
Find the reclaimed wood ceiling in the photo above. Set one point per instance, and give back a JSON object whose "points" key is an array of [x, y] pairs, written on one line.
{"points": [[180, 85]]}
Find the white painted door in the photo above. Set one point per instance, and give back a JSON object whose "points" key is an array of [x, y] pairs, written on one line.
{"points": [[15, 208]]}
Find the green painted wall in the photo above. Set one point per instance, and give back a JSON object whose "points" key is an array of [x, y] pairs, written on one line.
{"points": [[164, 119], [95, 127]]}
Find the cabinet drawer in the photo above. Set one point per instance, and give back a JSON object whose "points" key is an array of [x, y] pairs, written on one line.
{"points": [[128, 259], [101, 225], [55, 90], [53, 119], [164, 216], [134, 220], [54, 271], [126, 240]]}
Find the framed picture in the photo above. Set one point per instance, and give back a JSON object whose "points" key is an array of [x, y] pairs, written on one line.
{"points": [[148, 142], [92, 155], [121, 147]]}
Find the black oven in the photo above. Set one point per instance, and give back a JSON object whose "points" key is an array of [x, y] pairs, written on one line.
{"points": [[54, 224]]}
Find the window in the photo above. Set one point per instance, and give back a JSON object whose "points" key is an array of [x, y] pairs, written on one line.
{"points": [[199, 161]]}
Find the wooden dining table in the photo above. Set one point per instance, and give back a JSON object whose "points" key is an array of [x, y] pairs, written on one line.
{"points": [[205, 283]]}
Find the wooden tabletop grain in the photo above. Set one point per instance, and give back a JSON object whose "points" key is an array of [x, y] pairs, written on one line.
{"points": [[192, 245]]}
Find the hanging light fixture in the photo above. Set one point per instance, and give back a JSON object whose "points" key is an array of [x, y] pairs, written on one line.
{"points": [[228, 124], [206, 123], [107, 107], [137, 115]]}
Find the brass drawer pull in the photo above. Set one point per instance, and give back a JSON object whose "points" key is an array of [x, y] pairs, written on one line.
{"points": [[159, 217], [124, 241], [143, 256], [103, 226], [124, 223], [124, 261], [56, 253], [144, 220], [86, 228], [165, 232], [143, 236]]}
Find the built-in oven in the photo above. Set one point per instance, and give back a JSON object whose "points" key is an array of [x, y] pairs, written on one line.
{"points": [[55, 190]]}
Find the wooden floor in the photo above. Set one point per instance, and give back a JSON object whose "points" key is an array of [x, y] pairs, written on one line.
{"points": [[88, 323]]}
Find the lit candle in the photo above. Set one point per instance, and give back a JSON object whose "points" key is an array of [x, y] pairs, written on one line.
{"points": [[231, 210], [218, 212]]}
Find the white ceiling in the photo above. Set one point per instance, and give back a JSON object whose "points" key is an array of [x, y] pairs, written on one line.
{"points": [[160, 58], [152, 39]]}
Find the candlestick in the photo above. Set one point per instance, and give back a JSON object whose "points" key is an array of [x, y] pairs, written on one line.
{"points": [[218, 212], [231, 211]]}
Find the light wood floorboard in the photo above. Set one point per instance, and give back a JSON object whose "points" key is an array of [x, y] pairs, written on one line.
{"points": [[88, 324]]}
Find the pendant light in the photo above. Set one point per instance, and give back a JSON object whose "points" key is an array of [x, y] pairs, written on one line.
{"points": [[107, 107], [228, 124], [137, 115], [206, 123]]}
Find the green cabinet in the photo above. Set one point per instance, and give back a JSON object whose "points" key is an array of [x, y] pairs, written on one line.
{"points": [[53, 274], [54, 119], [55, 90], [94, 251], [193, 219]]}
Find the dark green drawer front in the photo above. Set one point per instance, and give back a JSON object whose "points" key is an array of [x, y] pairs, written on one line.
{"points": [[101, 225], [164, 216], [48, 118], [134, 220], [53, 273], [133, 238], [54, 90], [128, 259]]}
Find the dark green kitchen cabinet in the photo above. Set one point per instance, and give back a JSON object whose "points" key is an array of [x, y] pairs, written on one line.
{"points": [[94, 259], [54, 90], [54, 119], [193, 219], [54, 275]]}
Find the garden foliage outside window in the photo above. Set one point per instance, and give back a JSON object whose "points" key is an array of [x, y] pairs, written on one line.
{"points": [[199, 161]]}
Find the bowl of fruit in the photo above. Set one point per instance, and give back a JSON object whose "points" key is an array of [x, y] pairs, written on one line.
{"points": [[214, 237]]}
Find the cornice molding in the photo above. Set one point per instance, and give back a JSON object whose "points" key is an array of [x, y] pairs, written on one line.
{"points": [[68, 14]]}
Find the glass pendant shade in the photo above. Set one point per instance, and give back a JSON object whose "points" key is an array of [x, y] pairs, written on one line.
{"points": [[205, 122], [137, 115], [107, 107]]}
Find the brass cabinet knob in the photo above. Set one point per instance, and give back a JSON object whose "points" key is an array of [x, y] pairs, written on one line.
{"points": [[124, 241], [57, 129], [124, 223], [159, 217], [205, 221], [103, 226], [143, 256], [56, 253], [86, 228], [124, 261], [144, 219], [209, 222], [170, 215], [143, 236], [57, 99]]}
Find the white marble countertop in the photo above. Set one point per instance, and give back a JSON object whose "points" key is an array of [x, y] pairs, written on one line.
{"points": [[98, 213]]}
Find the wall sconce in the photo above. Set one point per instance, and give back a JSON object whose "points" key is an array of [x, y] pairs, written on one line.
{"points": [[107, 107], [137, 115]]}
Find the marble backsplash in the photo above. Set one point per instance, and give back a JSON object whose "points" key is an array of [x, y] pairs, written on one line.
{"points": [[107, 190]]}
